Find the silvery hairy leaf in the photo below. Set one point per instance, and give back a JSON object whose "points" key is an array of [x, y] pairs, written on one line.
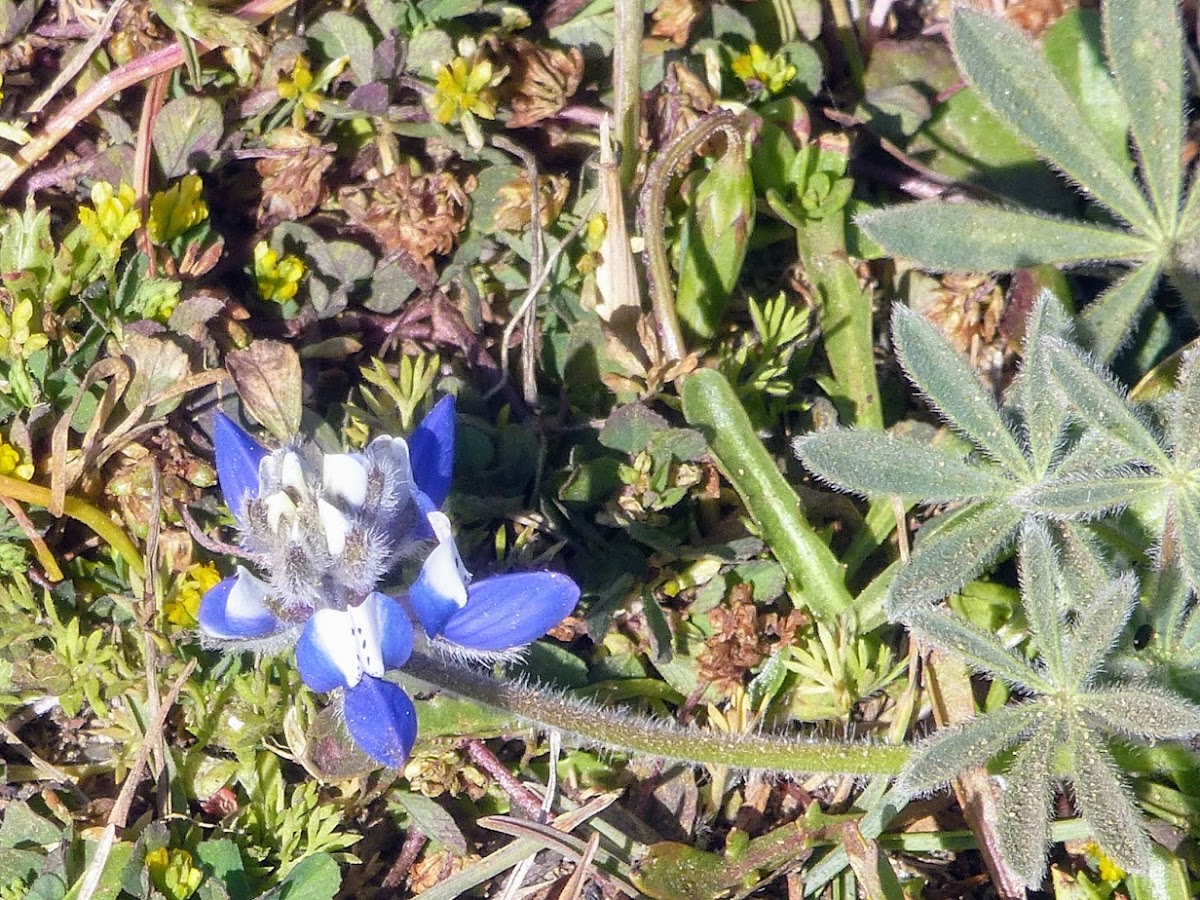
{"points": [[1039, 596], [1041, 410], [979, 649], [1025, 811], [1107, 804], [1099, 624], [1141, 710], [1088, 495]]}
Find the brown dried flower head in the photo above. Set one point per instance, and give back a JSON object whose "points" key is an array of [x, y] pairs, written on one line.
{"points": [[540, 79], [291, 183], [736, 645], [420, 214], [513, 212], [673, 19]]}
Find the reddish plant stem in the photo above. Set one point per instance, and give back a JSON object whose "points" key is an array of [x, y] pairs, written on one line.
{"points": [[128, 75], [522, 796]]}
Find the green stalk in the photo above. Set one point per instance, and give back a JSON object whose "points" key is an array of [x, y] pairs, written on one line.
{"points": [[93, 518], [617, 730], [711, 405], [627, 82]]}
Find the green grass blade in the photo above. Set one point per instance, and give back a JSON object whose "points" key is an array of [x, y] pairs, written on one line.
{"points": [[1145, 51], [874, 463], [974, 237], [1107, 323], [952, 387], [710, 404], [1024, 92]]}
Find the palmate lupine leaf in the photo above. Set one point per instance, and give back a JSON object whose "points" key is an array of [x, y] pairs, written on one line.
{"points": [[1088, 494], [1106, 802], [1026, 803], [1027, 95], [982, 650], [1041, 411], [950, 385], [1182, 433], [1039, 588], [1106, 322], [1139, 710], [1146, 55], [1187, 527], [1099, 625]]}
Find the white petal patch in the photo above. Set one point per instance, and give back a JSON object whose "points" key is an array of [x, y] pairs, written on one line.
{"points": [[291, 473], [444, 567], [280, 509], [392, 454], [349, 640], [344, 477], [336, 527], [247, 601]]}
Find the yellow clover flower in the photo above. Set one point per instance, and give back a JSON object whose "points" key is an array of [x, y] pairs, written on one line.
{"points": [[173, 873], [182, 605], [17, 339], [278, 279], [302, 88], [175, 210], [11, 464], [111, 219], [464, 88], [761, 72]]}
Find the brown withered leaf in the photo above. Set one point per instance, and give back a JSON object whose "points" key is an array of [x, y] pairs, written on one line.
{"points": [[673, 19], [736, 644], [512, 201], [681, 100], [419, 214], [540, 79], [267, 377], [291, 184]]}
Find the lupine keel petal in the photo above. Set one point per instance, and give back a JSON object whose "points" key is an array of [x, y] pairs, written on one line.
{"points": [[511, 610], [236, 610], [441, 588], [238, 456], [431, 449], [326, 654], [395, 630], [382, 720]]}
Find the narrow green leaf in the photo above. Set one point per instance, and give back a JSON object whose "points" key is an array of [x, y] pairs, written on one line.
{"points": [[1106, 802], [1017, 83], [1041, 411], [1108, 321], [973, 237], [873, 463], [1145, 711], [951, 386], [710, 404], [1099, 624], [1166, 878], [950, 751], [1087, 496], [1039, 595], [1101, 403], [979, 649], [1145, 51], [1187, 532], [961, 547], [1025, 811], [1183, 424], [1095, 451]]}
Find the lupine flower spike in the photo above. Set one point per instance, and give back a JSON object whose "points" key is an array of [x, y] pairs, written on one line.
{"points": [[326, 528]]}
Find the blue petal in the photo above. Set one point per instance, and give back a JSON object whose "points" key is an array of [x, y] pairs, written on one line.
{"points": [[238, 456], [511, 610], [395, 630], [439, 591], [382, 720], [236, 610], [325, 653], [431, 450]]}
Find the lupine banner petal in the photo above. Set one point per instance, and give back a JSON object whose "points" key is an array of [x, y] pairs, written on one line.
{"points": [[431, 449], [382, 720], [511, 610], [325, 654], [236, 610], [238, 456]]}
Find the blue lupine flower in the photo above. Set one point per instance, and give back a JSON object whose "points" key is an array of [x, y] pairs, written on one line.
{"points": [[326, 528]]}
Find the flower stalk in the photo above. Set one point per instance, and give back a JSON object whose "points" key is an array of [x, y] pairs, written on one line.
{"points": [[618, 730]]}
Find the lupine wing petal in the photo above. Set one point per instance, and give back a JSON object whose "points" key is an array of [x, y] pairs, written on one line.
{"points": [[439, 590], [382, 720], [431, 450], [236, 610], [238, 456], [326, 654], [511, 610], [395, 630]]}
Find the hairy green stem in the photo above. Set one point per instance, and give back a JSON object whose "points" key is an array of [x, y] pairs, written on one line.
{"points": [[652, 220], [627, 83], [93, 518], [618, 730]]}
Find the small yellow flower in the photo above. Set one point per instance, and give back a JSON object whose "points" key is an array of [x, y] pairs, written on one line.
{"points": [[175, 210], [763, 73], [302, 88], [1107, 869], [11, 464], [17, 339], [463, 88], [111, 218], [173, 873], [278, 279], [182, 606]]}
